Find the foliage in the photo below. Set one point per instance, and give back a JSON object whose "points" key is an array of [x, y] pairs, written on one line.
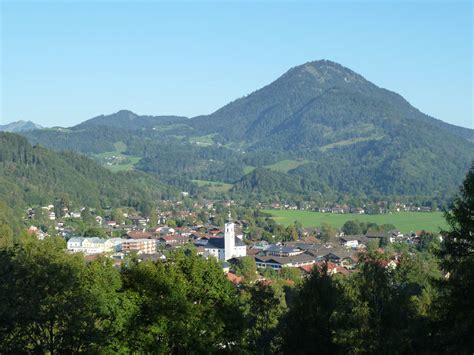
{"points": [[185, 305], [328, 232], [61, 305], [457, 306], [36, 176], [246, 268]]}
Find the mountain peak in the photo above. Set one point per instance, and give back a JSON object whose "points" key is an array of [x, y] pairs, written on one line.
{"points": [[325, 72], [20, 126], [126, 113]]}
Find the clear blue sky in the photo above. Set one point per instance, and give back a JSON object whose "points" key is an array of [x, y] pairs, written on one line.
{"points": [[64, 62]]}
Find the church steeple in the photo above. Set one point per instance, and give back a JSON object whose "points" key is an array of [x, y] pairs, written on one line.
{"points": [[229, 238]]}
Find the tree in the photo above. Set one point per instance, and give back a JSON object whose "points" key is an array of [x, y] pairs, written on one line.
{"points": [[352, 228], [247, 268], [62, 305], [328, 232], [267, 305], [291, 233], [291, 273], [94, 231], [306, 328], [186, 305], [87, 217], [457, 255], [117, 215]]}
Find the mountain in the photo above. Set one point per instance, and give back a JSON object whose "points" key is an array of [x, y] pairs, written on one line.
{"points": [[125, 119], [33, 175], [19, 126], [313, 105], [319, 130]]}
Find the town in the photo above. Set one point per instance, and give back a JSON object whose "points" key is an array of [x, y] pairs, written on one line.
{"points": [[211, 231]]}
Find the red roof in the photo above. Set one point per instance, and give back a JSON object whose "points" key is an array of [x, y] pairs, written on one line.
{"points": [[307, 268], [234, 278], [140, 235]]}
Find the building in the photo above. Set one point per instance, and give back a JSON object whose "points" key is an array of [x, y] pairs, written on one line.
{"points": [[350, 241], [146, 246], [94, 245], [281, 250], [227, 247], [279, 262]]}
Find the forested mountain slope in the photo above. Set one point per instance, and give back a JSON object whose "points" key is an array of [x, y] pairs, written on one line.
{"points": [[32, 175], [336, 132]]}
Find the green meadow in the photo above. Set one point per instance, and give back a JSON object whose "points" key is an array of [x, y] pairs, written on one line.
{"points": [[404, 221], [117, 160], [214, 186], [283, 166]]}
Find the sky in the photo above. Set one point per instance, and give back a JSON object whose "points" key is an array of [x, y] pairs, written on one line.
{"points": [[63, 62]]}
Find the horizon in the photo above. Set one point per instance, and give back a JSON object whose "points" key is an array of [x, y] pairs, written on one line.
{"points": [[101, 63]]}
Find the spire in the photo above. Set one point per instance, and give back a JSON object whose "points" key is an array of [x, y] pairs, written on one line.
{"points": [[229, 218]]}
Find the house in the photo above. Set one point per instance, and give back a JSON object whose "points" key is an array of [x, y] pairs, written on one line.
{"points": [[229, 246], [172, 240], [279, 262], [137, 220], [350, 241], [236, 280], [331, 268], [140, 235], [281, 250], [146, 246], [93, 245]]}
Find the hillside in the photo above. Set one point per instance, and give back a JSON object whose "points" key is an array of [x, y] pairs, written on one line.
{"points": [[32, 175], [322, 127], [19, 126], [317, 104], [125, 119]]}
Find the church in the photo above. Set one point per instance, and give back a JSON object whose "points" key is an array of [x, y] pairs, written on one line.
{"points": [[227, 247]]}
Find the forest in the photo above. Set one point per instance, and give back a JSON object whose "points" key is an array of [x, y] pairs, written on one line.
{"points": [[33, 175]]}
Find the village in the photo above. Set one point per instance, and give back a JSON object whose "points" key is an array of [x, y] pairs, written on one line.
{"points": [[227, 240]]}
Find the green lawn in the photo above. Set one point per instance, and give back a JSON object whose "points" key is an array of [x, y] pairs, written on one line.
{"points": [[404, 221], [283, 166], [351, 141], [116, 160], [203, 140], [214, 185], [248, 169]]}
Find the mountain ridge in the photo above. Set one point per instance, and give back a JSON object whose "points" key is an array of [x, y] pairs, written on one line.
{"points": [[20, 126], [360, 139]]}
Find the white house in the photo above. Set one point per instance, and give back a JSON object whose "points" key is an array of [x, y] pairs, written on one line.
{"points": [[227, 247], [94, 245], [350, 241]]}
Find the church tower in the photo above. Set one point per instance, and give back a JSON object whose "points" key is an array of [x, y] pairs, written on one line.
{"points": [[229, 239]]}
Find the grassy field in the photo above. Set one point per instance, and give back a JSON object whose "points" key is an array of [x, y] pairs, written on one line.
{"points": [[116, 160], [284, 166], [214, 185], [248, 169], [351, 141], [202, 140], [404, 221]]}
